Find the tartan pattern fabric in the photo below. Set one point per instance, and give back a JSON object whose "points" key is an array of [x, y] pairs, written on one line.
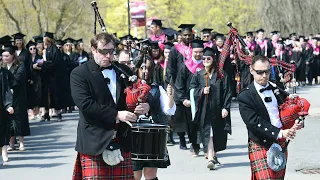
{"points": [[258, 163], [94, 168], [225, 52]]}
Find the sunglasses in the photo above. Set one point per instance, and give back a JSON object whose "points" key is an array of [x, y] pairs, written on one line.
{"points": [[207, 58], [106, 51], [32, 49], [261, 72]]}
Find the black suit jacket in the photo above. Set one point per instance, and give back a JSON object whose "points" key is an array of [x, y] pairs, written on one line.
{"points": [[256, 117], [98, 111]]}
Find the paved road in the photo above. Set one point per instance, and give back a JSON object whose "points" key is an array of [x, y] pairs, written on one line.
{"points": [[50, 151]]}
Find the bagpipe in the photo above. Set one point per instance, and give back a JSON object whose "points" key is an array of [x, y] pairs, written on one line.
{"points": [[234, 40], [137, 91]]}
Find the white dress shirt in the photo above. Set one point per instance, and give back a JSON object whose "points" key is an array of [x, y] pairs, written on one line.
{"points": [[164, 103], [111, 74], [272, 107]]}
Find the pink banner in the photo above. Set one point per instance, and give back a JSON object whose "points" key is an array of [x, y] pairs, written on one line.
{"points": [[138, 13]]}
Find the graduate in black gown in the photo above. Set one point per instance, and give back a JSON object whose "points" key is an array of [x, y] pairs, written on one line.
{"points": [[212, 98], [6, 100], [83, 55], [35, 84], [19, 120], [182, 95], [263, 42], [299, 62], [55, 71], [178, 54]]}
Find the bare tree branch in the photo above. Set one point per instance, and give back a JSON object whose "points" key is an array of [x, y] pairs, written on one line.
{"points": [[62, 14], [75, 17], [38, 14], [10, 15]]}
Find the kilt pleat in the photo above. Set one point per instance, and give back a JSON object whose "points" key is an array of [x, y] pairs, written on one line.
{"points": [[89, 167], [258, 163]]}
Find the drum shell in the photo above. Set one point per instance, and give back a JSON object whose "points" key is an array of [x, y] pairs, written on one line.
{"points": [[149, 141]]}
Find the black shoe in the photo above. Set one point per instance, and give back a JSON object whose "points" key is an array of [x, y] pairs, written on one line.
{"points": [[45, 117], [64, 110], [171, 141], [215, 161], [59, 117], [183, 144]]}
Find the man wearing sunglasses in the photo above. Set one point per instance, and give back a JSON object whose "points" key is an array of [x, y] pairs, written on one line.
{"points": [[258, 105], [207, 38], [103, 136]]}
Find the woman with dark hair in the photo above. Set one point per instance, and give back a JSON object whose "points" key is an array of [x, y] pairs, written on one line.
{"points": [[161, 106], [212, 96], [19, 120], [34, 89], [157, 56], [5, 109], [55, 73]]}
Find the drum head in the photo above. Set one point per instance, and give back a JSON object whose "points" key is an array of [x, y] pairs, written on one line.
{"points": [[148, 125]]}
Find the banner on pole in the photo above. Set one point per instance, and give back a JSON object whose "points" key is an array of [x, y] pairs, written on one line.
{"points": [[138, 13]]}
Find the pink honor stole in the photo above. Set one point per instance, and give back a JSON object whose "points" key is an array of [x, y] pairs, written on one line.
{"points": [[160, 39], [208, 44], [186, 51], [262, 43], [251, 45], [192, 66]]}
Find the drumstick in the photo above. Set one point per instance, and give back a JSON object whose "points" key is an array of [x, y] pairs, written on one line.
{"points": [[129, 123]]}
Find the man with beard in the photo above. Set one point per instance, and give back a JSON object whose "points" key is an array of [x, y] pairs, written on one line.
{"points": [[182, 96], [206, 37], [178, 54]]}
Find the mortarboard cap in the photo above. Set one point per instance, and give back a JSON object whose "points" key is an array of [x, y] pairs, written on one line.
{"points": [[30, 43], [5, 39], [154, 44], [197, 43], [9, 47], [249, 33], [126, 37], [156, 22], [274, 33], [69, 40], [206, 31], [38, 39], [260, 30], [218, 36], [280, 42], [144, 42], [292, 34], [169, 32], [48, 34], [301, 37], [79, 41], [60, 42], [18, 35], [168, 45], [186, 27], [209, 52]]}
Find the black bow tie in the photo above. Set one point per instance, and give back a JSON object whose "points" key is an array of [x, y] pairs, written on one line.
{"points": [[269, 87], [107, 80], [109, 68]]}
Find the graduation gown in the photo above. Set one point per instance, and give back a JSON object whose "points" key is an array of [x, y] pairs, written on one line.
{"points": [[70, 65], [208, 108], [56, 72], [26, 58], [34, 89], [307, 55], [19, 119], [174, 62], [181, 93], [300, 65], [5, 102]]}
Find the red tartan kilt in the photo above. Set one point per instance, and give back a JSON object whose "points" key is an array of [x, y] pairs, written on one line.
{"points": [[258, 163], [93, 167]]}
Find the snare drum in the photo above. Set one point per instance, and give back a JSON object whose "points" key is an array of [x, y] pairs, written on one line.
{"points": [[149, 142]]}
